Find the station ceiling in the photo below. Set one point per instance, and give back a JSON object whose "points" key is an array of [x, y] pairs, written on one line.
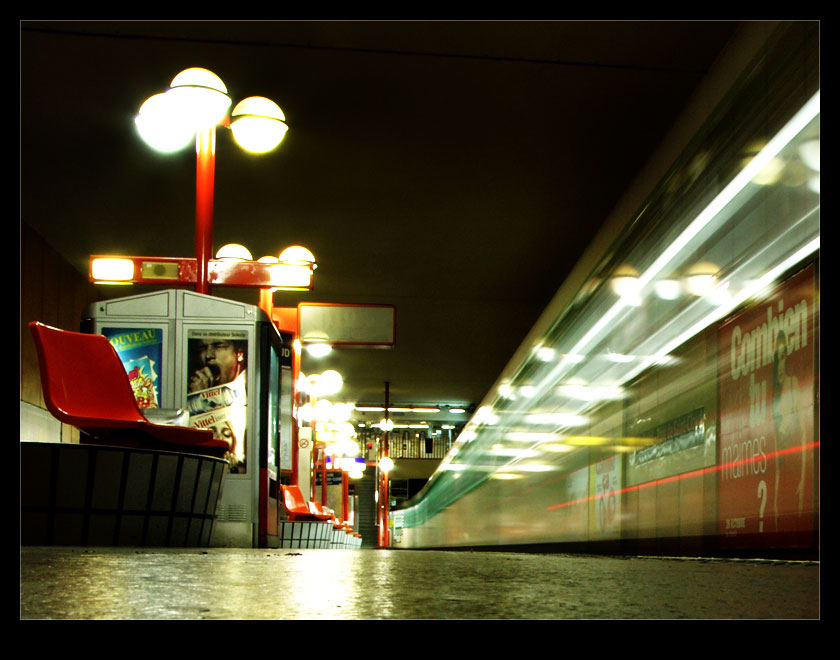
{"points": [[453, 169]]}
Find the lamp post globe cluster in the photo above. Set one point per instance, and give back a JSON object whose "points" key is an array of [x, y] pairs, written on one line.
{"points": [[195, 103], [198, 100]]}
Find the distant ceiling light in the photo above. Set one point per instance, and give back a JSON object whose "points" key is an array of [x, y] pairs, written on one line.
{"points": [[341, 412], [234, 252], [385, 425], [505, 476], [535, 467], [305, 412], [662, 360], [512, 452], [322, 411], [386, 464], [809, 151], [318, 349], [770, 173], [528, 436], [506, 390], [352, 464], [626, 285], [556, 447], [701, 277], [719, 295], [620, 358], [400, 409], [668, 289], [544, 353], [330, 382], [457, 411], [557, 419], [591, 393], [485, 415]]}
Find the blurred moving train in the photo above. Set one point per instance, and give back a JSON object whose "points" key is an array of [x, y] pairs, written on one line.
{"points": [[667, 401]]}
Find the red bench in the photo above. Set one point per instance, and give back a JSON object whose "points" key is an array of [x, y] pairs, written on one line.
{"points": [[85, 385]]}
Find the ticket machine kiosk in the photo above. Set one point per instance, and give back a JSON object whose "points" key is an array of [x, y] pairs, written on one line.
{"points": [[226, 367]]}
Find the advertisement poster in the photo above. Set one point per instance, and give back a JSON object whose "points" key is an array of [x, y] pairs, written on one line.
{"points": [[766, 478], [217, 387], [573, 509], [141, 351], [684, 432], [606, 502], [282, 400]]}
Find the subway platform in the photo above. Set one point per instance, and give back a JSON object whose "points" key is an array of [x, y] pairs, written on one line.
{"points": [[85, 583]]}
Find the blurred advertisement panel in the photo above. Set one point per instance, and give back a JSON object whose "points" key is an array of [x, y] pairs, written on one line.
{"points": [[766, 480]]}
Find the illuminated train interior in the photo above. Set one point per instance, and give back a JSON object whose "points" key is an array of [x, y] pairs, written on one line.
{"points": [[671, 404]]}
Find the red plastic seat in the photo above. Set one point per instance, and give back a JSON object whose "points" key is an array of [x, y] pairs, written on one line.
{"points": [[297, 507], [319, 511], [343, 525], [85, 385]]}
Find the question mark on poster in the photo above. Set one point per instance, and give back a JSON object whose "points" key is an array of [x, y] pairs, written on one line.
{"points": [[762, 495]]}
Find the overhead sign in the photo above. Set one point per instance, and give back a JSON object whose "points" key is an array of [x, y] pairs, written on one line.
{"points": [[371, 326]]}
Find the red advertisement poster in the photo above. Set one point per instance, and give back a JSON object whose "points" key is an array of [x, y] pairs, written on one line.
{"points": [[766, 453]]}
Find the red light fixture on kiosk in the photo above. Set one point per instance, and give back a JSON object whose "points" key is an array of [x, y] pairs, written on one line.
{"points": [[276, 275]]}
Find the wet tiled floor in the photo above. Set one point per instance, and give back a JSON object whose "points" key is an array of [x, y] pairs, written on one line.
{"points": [[224, 583]]}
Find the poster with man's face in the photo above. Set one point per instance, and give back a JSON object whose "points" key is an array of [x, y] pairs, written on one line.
{"points": [[217, 387], [766, 479]]}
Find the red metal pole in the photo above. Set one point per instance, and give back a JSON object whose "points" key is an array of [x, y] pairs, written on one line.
{"points": [[205, 170], [266, 302], [295, 413], [385, 452], [345, 504], [324, 477]]}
